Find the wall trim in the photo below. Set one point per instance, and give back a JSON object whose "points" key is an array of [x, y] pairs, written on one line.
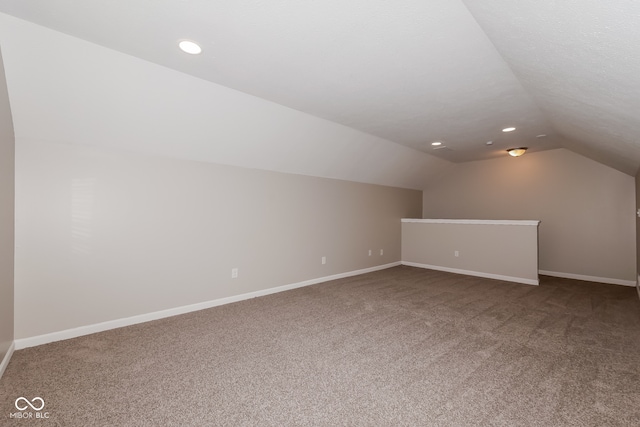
{"points": [[588, 278], [128, 321], [473, 221], [474, 273], [638, 286], [7, 358]]}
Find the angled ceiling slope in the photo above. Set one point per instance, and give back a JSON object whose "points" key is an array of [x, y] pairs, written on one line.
{"points": [[580, 59], [66, 91], [413, 72]]}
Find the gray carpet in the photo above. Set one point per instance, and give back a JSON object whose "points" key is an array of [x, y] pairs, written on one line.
{"points": [[399, 347]]}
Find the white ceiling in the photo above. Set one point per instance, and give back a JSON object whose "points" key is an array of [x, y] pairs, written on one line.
{"points": [[580, 60], [411, 72]]}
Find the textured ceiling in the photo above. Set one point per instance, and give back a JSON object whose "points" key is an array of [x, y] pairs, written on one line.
{"points": [[410, 72], [580, 60]]}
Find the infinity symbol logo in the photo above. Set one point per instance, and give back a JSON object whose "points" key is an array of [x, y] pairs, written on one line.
{"points": [[32, 403]]}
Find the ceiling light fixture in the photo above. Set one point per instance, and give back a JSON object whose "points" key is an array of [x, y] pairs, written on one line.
{"points": [[517, 152], [190, 47], [435, 144], [509, 129]]}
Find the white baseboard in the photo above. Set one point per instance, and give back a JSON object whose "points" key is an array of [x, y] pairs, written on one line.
{"points": [[128, 321], [7, 358], [588, 278], [474, 273]]}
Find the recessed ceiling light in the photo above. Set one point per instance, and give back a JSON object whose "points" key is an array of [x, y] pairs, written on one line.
{"points": [[190, 47], [542, 135], [435, 144], [509, 129], [489, 142]]}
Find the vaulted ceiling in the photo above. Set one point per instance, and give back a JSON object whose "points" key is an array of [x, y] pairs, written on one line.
{"points": [[411, 72]]}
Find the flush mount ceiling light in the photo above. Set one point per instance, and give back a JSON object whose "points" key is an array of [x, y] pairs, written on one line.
{"points": [[190, 47], [509, 129], [517, 152], [435, 144]]}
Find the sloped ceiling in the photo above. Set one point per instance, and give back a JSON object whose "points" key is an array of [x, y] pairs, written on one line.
{"points": [[67, 91], [410, 72], [580, 60]]}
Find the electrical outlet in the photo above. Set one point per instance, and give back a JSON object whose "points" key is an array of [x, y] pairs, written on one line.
{"points": [[369, 252], [324, 260], [234, 273], [456, 253], [381, 251]]}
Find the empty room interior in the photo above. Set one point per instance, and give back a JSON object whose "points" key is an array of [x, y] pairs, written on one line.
{"points": [[302, 213]]}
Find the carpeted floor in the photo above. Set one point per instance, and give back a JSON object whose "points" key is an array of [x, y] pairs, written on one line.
{"points": [[399, 347]]}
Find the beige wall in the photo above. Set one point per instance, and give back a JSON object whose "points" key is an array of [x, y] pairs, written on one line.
{"points": [[7, 187], [586, 209], [105, 234], [500, 251]]}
